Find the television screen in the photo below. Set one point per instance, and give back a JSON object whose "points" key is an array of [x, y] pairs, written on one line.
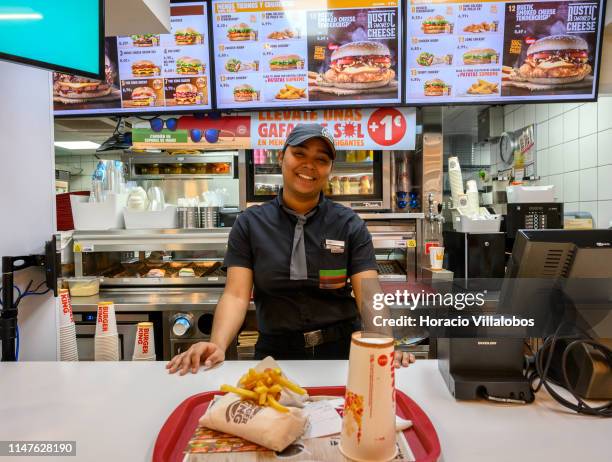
{"points": [[146, 73], [306, 54], [64, 35], [502, 51]]}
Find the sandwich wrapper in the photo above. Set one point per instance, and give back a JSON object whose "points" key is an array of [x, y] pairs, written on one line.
{"points": [[308, 417], [259, 424]]}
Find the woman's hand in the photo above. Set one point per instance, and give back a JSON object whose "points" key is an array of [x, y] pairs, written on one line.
{"points": [[403, 359], [201, 352]]}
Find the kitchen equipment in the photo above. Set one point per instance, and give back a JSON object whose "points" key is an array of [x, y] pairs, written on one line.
{"points": [[188, 217], [368, 422], [467, 224], [146, 219], [210, 217], [126, 331], [533, 216], [530, 194], [359, 179], [475, 255], [98, 216]]}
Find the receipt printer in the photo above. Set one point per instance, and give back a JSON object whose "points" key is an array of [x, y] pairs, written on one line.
{"points": [[476, 368]]}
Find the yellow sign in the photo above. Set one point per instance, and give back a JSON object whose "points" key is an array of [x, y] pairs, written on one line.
{"points": [[411, 244]]}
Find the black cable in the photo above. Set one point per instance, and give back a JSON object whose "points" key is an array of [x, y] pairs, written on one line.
{"points": [[545, 355]]}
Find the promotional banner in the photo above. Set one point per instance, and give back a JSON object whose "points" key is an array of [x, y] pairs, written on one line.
{"points": [[306, 53], [375, 129], [501, 51]]}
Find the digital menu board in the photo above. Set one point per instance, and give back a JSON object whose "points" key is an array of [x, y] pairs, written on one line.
{"points": [[275, 54], [487, 51], [146, 72]]}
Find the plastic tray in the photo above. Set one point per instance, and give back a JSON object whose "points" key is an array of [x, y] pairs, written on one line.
{"points": [[181, 424]]}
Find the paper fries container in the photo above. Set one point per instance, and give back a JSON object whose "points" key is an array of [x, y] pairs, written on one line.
{"points": [[65, 308], [144, 344], [368, 423], [106, 321]]}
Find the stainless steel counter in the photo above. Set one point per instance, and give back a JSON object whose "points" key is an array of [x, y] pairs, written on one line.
{"points": [[153, 299], [391, 216]]}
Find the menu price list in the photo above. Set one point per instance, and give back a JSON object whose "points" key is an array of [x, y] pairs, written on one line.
{"points": [[454, 51], [267, 56]]}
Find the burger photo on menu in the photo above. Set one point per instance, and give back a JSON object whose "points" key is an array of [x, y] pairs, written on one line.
{"points": [[436, 25], [71, 89], [359, 66], [240, 32], [145, 40], [480, 56], [244, 93], [143, 96], [436, 87], [286, 63], [186, 94], [189, 66], [187, 36], [145, 68], [557, 59]]}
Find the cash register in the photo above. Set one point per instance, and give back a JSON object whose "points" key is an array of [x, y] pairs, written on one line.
{"points": [[494, 368]]}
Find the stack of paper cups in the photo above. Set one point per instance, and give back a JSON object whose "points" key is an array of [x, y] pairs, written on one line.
{"points": [[144, 344], [67, 331], [473, 201], [456, 179], [106, 340]]}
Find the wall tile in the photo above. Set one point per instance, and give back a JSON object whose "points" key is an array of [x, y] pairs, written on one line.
{"points": [[530, 115], [541, 112], [588, 151], [590, 207], [588, 184], [604, 183], [571, 207], [555, 131], [541, 136], [571, 187], [570, 106], [509, 122], [604, 147], [588, 119], [555, 109], [604, 113], [604, 214], [571, 125], [555, 160], [542, 162], [519, 117], [571, 156], [509, 108], [557, 182]]}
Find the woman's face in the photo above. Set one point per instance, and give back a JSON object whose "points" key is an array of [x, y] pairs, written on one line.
{"points": [[306, 167]]}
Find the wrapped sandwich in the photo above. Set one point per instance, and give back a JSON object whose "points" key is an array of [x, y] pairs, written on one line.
{"points": [[264, 407]]}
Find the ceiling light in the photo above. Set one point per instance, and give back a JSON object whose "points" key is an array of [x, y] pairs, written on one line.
{"points": [[77, 144]]}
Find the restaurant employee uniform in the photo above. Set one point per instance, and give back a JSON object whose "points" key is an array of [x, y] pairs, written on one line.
{"points": [[300, 267]]}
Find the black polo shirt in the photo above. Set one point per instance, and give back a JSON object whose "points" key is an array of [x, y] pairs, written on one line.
{"points": [[262, 240]]}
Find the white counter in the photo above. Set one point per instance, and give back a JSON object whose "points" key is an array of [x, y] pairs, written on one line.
{"points": [[115, 410]]}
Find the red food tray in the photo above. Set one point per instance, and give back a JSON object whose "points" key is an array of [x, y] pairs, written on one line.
{"points": [[181, 424]]}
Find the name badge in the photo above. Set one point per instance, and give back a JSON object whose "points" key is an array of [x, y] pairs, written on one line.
{"points": [[334, 246]]}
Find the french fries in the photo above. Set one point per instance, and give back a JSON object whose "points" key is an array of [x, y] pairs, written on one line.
{"points": [[482, 87], [291, 92], [264, 388]]}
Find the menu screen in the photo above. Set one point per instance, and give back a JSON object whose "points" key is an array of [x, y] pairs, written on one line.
{"points": [[306, 53], [502, 51], [146, 72]]}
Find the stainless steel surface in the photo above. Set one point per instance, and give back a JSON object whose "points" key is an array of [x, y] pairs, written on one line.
{"points": [[188, 217], [151, 240], [390, 216], [209, 217], [152, 299], [164, 282]]}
